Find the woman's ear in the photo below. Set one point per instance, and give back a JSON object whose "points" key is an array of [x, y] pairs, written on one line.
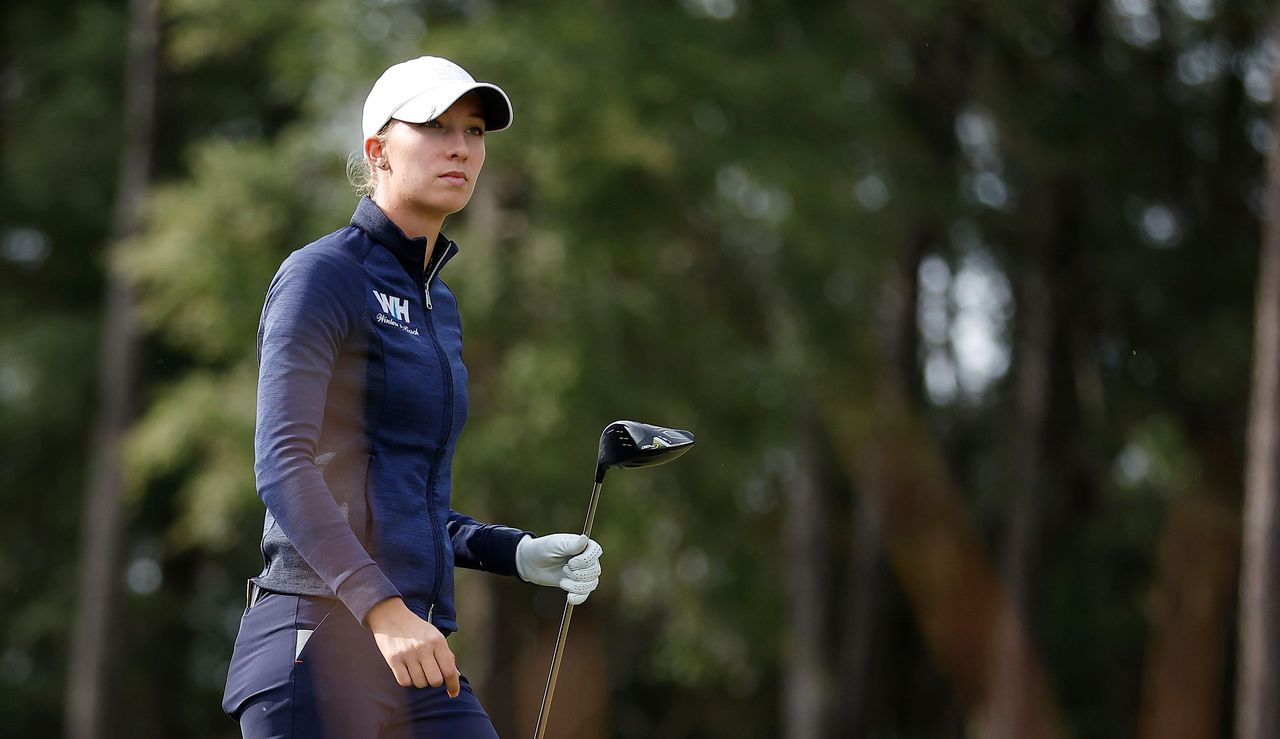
{"points": [[375, 150]]}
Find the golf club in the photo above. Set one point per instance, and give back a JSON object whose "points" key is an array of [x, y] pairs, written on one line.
{"points": [[622, 444]]}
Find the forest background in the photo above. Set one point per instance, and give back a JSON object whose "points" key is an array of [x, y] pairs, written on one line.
{"points": [[959, 296]]}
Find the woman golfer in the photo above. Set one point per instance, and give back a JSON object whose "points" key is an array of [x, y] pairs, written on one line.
{"points": [[362, 394]]}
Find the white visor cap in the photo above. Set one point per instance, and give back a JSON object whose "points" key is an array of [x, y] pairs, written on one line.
{"points": [[422, 89]]}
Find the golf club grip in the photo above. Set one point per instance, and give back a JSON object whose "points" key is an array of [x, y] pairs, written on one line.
{"points": [[544, 711]]}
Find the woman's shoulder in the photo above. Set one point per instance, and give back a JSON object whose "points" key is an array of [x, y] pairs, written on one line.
{"points": [[332, 263], [341, 249], [335, 256]]}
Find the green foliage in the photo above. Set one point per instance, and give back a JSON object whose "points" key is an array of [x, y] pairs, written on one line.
{"points": [[58, 160], [215, 240], [200, 430], [694, 220]]}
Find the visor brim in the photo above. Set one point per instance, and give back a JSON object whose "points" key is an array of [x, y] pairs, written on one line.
{"points": [[432, 104]]}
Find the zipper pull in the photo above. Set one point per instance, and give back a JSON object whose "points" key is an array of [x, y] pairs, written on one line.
{"points": [[430, 611], [426, 285]]}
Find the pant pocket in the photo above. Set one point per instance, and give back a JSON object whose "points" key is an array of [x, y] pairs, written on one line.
{"points": [[262, 660], [312, 614]]}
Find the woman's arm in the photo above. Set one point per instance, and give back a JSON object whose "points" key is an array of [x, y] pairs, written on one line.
{"points": [[306, 317], [484, 546], [568, 561]]}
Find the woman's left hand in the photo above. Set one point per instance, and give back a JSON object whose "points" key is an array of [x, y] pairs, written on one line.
{"points": [[568, 561]]}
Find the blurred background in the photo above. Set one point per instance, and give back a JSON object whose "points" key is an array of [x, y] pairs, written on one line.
{"points": [[958, 296]]}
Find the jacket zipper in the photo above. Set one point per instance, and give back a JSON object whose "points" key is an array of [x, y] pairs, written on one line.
{"points": [[426, 286], [447, 371]]}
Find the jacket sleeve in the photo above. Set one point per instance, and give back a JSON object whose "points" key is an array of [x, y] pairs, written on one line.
{"points": [[303, 325], [484, 546]]}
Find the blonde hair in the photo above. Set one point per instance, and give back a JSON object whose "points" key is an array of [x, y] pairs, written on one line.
{"points": [[360, 170]]}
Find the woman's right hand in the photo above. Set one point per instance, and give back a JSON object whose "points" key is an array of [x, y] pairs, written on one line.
{"points": [[415, 650]]}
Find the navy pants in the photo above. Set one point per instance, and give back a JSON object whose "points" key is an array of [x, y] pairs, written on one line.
{"points": [[304, 667]]}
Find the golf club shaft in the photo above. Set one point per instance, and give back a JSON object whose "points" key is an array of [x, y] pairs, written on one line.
{"points": [[545, 709]]}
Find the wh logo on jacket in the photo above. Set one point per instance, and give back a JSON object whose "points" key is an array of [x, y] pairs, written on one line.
{"points": [[398, 307]]}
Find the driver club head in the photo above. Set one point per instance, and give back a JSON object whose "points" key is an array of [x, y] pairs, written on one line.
{"points": [[635, 444]]}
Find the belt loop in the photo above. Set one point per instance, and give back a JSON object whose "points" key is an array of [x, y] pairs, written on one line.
{"points": [[252, 591]]}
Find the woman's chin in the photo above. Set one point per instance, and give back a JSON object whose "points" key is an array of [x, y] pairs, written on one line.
{"points": [[446, 203]]}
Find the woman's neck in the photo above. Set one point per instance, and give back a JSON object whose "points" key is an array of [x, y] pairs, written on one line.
{"points": [[412, 222]]}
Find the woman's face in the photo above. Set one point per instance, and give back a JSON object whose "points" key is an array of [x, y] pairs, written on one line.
{"points": [[431, 168]]}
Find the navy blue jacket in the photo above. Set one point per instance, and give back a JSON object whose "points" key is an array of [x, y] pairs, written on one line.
{"points": [[362, 393]]}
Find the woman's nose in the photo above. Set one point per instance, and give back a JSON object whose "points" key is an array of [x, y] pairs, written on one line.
{"points": [[458, 148]]}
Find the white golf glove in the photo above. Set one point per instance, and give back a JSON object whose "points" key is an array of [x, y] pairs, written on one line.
{"points": [[568, 561]]}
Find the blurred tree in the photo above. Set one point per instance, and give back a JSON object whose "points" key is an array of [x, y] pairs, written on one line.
{"points": [[1003, 252], [1258, 709], [692, 166], [101, 523], [60, 159]]}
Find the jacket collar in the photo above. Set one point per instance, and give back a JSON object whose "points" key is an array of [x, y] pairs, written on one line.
{"points": [[409, 252]]}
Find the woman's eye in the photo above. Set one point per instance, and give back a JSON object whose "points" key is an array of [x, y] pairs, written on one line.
{"points": [[433, 123], [475, 131]]}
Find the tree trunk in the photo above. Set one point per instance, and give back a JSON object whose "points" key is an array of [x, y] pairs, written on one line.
{"points": [[806, 698], [805, 681], [101, 527], [1005, 713], [865, 585], [936, 551], [1258, 690], [861, 605], [1191, 612]]}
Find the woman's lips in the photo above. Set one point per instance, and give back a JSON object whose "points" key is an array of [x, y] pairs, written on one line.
{"points": [[454, 177]]}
